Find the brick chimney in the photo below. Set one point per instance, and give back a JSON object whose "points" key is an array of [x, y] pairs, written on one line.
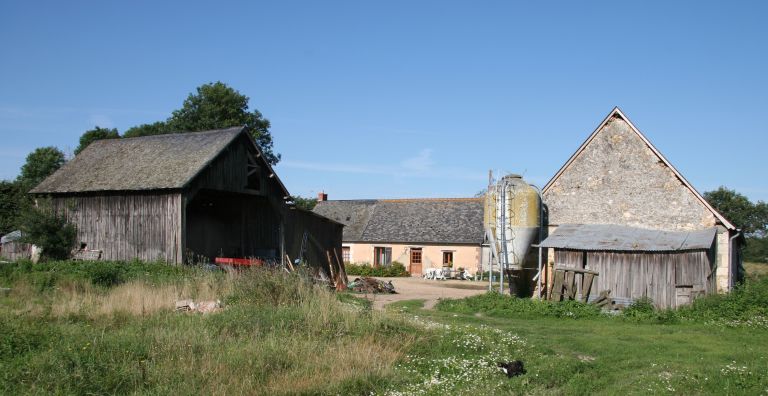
{"points": [[322, 196]]}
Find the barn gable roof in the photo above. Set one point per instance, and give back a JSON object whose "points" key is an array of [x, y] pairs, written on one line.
{"points": [[439, 221], [144, 163], [617, 113]]}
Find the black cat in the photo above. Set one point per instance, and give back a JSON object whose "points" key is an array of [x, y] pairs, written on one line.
{"points": [[512, 369]]}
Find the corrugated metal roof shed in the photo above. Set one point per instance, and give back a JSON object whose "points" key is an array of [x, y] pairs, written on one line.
{"points": [[622, 238], [11, 236]]}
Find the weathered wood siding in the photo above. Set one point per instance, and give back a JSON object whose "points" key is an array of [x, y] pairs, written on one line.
{"points": [[127, 226], [325, 233], [15, 250], [229, 172], [651, 274]]}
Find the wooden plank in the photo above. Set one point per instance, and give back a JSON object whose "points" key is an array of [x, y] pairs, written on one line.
{"points": [[586, 286], [330, 266], [342, 269], [570, 285], [557, 286]]}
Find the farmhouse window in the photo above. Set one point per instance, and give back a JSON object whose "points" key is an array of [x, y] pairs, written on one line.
{"points": [[447, 259], [345, 254], [382, 256], [415, 255]]}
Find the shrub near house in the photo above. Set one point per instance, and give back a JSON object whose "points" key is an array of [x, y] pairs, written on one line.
{"points": [[394, 270]]}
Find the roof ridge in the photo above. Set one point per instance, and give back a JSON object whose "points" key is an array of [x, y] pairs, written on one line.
{"points": [[177, 133]]}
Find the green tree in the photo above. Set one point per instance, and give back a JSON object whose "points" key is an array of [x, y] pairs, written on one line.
{"points": [[10, 199], [95, 134], [214, 106], [157, 128], [304, 203], [752, 218], [40, 164], [42, 226]]}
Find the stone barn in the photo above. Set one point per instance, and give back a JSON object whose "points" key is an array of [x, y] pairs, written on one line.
{"points": [[618, 205], [184, 197]]}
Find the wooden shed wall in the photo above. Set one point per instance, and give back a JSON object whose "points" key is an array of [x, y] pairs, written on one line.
{"points": [[229, 172], [650, 274], [128, 226], [326, 234], [15, 250]]}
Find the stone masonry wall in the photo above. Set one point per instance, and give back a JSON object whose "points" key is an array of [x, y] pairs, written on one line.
{"points": [[618, 179]]}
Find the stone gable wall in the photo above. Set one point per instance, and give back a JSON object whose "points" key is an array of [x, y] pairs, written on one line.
{"points": [[618, 179]]}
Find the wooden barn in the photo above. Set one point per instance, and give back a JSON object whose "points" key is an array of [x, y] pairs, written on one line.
{"points": [[620, 208], [186, 197]]}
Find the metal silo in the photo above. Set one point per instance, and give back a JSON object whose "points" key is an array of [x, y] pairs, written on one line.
{"points": [[513, 217]]}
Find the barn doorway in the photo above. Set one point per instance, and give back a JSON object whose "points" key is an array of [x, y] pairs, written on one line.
{"points": [[221, 224]]}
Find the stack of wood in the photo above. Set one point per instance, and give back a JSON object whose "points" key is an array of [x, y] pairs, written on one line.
{"points": [[337, 279], [372, 286], [604, 301], [566, 283], [203, 307]]}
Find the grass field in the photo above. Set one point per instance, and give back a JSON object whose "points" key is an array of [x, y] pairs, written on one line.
{"points": [[82, 329]]}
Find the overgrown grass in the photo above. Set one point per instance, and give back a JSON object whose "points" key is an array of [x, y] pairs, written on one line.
{"points": [[278, 334], [746, 305], [46, 275], [496, 304]]}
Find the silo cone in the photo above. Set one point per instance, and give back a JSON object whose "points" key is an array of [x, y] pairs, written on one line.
{"points": [[522, 218], [521, 208]]}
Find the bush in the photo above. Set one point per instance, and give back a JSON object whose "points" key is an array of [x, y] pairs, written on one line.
{"points": [[100, 273], [495, 304], [747, 305], [396, 269], [43, 227]]}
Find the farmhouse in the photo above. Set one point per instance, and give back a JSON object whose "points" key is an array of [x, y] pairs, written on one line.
{"points": [[419, 233], [618, 206], [185, 197]]}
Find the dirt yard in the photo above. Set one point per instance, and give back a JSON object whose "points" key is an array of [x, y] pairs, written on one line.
{"points": [[429, 290]]}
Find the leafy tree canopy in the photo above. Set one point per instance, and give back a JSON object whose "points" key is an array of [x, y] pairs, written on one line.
{"points": [[752, 218], [92, 135], [157, 128], [10, 199], [40, 164], [214, 106], [304, 203]]}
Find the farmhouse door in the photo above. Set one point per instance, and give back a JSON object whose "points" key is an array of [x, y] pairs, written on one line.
{"points": [[415, 268]]}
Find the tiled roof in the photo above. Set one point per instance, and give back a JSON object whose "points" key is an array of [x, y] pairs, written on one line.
{"points": [[439, 220]]}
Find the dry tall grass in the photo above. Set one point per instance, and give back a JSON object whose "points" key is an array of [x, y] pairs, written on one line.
{"points": [[137, 297]]}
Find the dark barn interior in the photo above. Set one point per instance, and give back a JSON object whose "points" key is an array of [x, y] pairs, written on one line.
{"points": [[221, 224]]}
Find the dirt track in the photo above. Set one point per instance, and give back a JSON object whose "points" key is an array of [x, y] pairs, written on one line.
{"points": [[429, 290]]}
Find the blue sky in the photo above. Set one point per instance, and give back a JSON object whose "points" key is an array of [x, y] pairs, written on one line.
{"points": [[403, 99]]}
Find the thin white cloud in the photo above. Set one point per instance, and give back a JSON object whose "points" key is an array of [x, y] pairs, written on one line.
{"points": [[422, 162], [419, 166]]}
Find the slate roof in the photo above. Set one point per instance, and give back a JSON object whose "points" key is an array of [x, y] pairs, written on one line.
{"points": [[439, 220], [140, 163], [610, 237]]}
